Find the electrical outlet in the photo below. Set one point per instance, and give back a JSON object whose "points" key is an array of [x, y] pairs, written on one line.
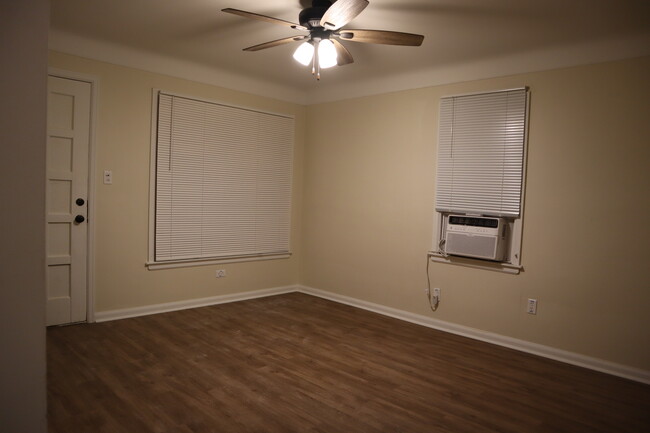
{"points": [[436, 293], [531, 307], [221, 273], [108, 177]]}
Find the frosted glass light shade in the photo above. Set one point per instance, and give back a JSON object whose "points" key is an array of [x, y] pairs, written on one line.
{"points": [[326, 54], [304, 53]]}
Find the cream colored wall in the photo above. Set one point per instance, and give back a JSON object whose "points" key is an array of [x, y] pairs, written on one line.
{"points": [[368, 200], [363, 207], [123, 143]]}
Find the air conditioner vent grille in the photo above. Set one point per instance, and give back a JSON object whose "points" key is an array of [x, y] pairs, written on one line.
{"points": [[477, 237]]}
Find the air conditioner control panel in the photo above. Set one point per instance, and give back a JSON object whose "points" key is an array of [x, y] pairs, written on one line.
{"points": [[470, 224]]}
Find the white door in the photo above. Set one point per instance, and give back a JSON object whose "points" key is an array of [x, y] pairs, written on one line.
{"points": [[68, 135]]}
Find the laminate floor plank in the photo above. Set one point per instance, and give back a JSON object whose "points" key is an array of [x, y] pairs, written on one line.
{"points": [[298, 363]]}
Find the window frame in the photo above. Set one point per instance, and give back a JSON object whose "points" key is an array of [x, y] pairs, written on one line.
{"points": [[151, 262], [513, 263]]}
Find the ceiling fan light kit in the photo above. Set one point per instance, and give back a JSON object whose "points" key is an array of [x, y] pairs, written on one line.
{"points": [[324, 21], [304, 53], [326, 54]]}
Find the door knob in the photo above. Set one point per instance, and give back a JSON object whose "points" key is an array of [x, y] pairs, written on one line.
{"points": [[80, 202], [79, 219]]}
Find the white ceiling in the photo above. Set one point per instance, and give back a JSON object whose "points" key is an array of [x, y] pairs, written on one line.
{"points": [[464, 40]]}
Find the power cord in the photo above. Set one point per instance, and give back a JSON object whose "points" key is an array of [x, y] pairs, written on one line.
{"points": [[433, 300]]}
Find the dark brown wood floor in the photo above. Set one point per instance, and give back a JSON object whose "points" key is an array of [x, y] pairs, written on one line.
{"points": [[297, 363]]}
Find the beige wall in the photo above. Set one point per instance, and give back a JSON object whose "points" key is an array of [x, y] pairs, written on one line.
{"points": [[123, 143], [23, 86], [368, 211], [363, 207]]}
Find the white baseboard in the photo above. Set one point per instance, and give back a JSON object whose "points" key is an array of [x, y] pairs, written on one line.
{"points": [[104, 316], [612, 368], [577, 359]]}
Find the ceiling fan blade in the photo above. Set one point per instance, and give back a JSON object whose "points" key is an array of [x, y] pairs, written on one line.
{"points": [[264, 18], [343, 56], [275, 43], [381, 37], [341, 13]]}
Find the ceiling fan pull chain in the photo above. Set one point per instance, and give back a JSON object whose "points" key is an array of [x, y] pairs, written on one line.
{"points": [[316, 68]]}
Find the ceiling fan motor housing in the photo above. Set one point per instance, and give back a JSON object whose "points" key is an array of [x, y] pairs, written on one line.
{"points": [[310, 17]]}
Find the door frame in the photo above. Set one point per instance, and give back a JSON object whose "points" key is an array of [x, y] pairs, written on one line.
{"points": [[90, 255]]}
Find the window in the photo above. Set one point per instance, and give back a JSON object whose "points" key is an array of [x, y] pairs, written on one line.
{"points": [[222, 177], [480, 173]]}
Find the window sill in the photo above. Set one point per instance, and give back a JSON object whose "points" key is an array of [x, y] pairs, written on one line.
{"points": [[507, 268], [213, 261]]}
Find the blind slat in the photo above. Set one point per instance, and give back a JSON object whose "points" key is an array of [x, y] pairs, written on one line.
{"points": [[223, 180], [480, 153]]}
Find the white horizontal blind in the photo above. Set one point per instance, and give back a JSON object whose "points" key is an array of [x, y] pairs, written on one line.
{"points": [[480, 153], [223, 181]]}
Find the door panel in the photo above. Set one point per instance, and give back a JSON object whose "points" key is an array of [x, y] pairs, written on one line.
{"points": [[67, 180], [60, 194]]}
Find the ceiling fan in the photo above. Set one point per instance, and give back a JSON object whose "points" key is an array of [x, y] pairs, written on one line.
{"points": [[324, 21]]}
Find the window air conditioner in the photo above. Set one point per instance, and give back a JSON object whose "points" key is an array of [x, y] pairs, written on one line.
{"points": [[478, 237]]}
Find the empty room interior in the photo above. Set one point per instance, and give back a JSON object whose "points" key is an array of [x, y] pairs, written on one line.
{"points": [[444, 229]]}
